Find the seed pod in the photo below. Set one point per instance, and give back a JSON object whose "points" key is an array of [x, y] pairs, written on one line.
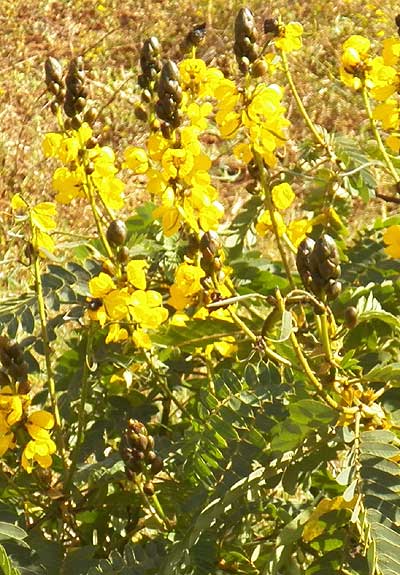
{"points": [[117, 233], [350, 317]]}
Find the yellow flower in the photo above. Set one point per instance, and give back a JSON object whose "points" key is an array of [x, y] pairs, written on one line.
{"points": [[388, 114], [101, 285], [68, 184], [136, 159], [6, 441], [282, 196], [384, 79], [18, 204], [393, 142], [42, 216], [289, 37], [146, 309], [264, 224], [141, 339], [116, 304], [116, 333], [170, 219], [187, 284], [354, 61], [297, 230], [135, 272], [41, 447], [391, 51], [391, 237], [177, 162]]}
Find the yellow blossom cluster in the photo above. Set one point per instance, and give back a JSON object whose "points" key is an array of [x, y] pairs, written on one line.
{"points": [[379, 75], [177, 169], [127, 307], [40, 447], [259, 111], [86, 168]]}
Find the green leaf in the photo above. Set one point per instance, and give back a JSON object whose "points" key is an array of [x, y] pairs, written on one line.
{"points": [[6, 564], [10, 531]]}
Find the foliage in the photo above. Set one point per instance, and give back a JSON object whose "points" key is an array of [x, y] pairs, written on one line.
{"points": [[191, 391]]}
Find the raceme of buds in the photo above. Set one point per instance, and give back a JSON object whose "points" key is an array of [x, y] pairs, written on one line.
{"points": [[136, 449], [150, 62], [245, 47], [12, 359], [169, 94], [54, 81], [75, 97], [210, 247], [318, 264]]}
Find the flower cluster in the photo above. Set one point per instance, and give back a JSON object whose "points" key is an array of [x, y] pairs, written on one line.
{"points": [[126, 306], [176, 167], [260, 114], [88, 168], [41, 220], [379, 75], [40, 447]]}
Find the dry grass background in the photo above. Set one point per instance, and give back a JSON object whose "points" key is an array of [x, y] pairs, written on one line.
{"points": [[109, 34]]}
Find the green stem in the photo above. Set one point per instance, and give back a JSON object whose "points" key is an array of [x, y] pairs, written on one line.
{"points": [[300, 105], [304, 363], [272, 355], [47, 353], [378, 138], [85, 382], [326, 342], [92, 200], [271, 209]]}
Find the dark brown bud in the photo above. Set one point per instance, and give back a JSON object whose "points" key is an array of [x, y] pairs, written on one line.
{"points": [[117, 232], [259, 68], [123, 255], [333, 289], [141, 113], [148, 488], [303, 261], [210, 245], [197, 35], [271, 26], [53, 70], [350, 317], [157, 465]]}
